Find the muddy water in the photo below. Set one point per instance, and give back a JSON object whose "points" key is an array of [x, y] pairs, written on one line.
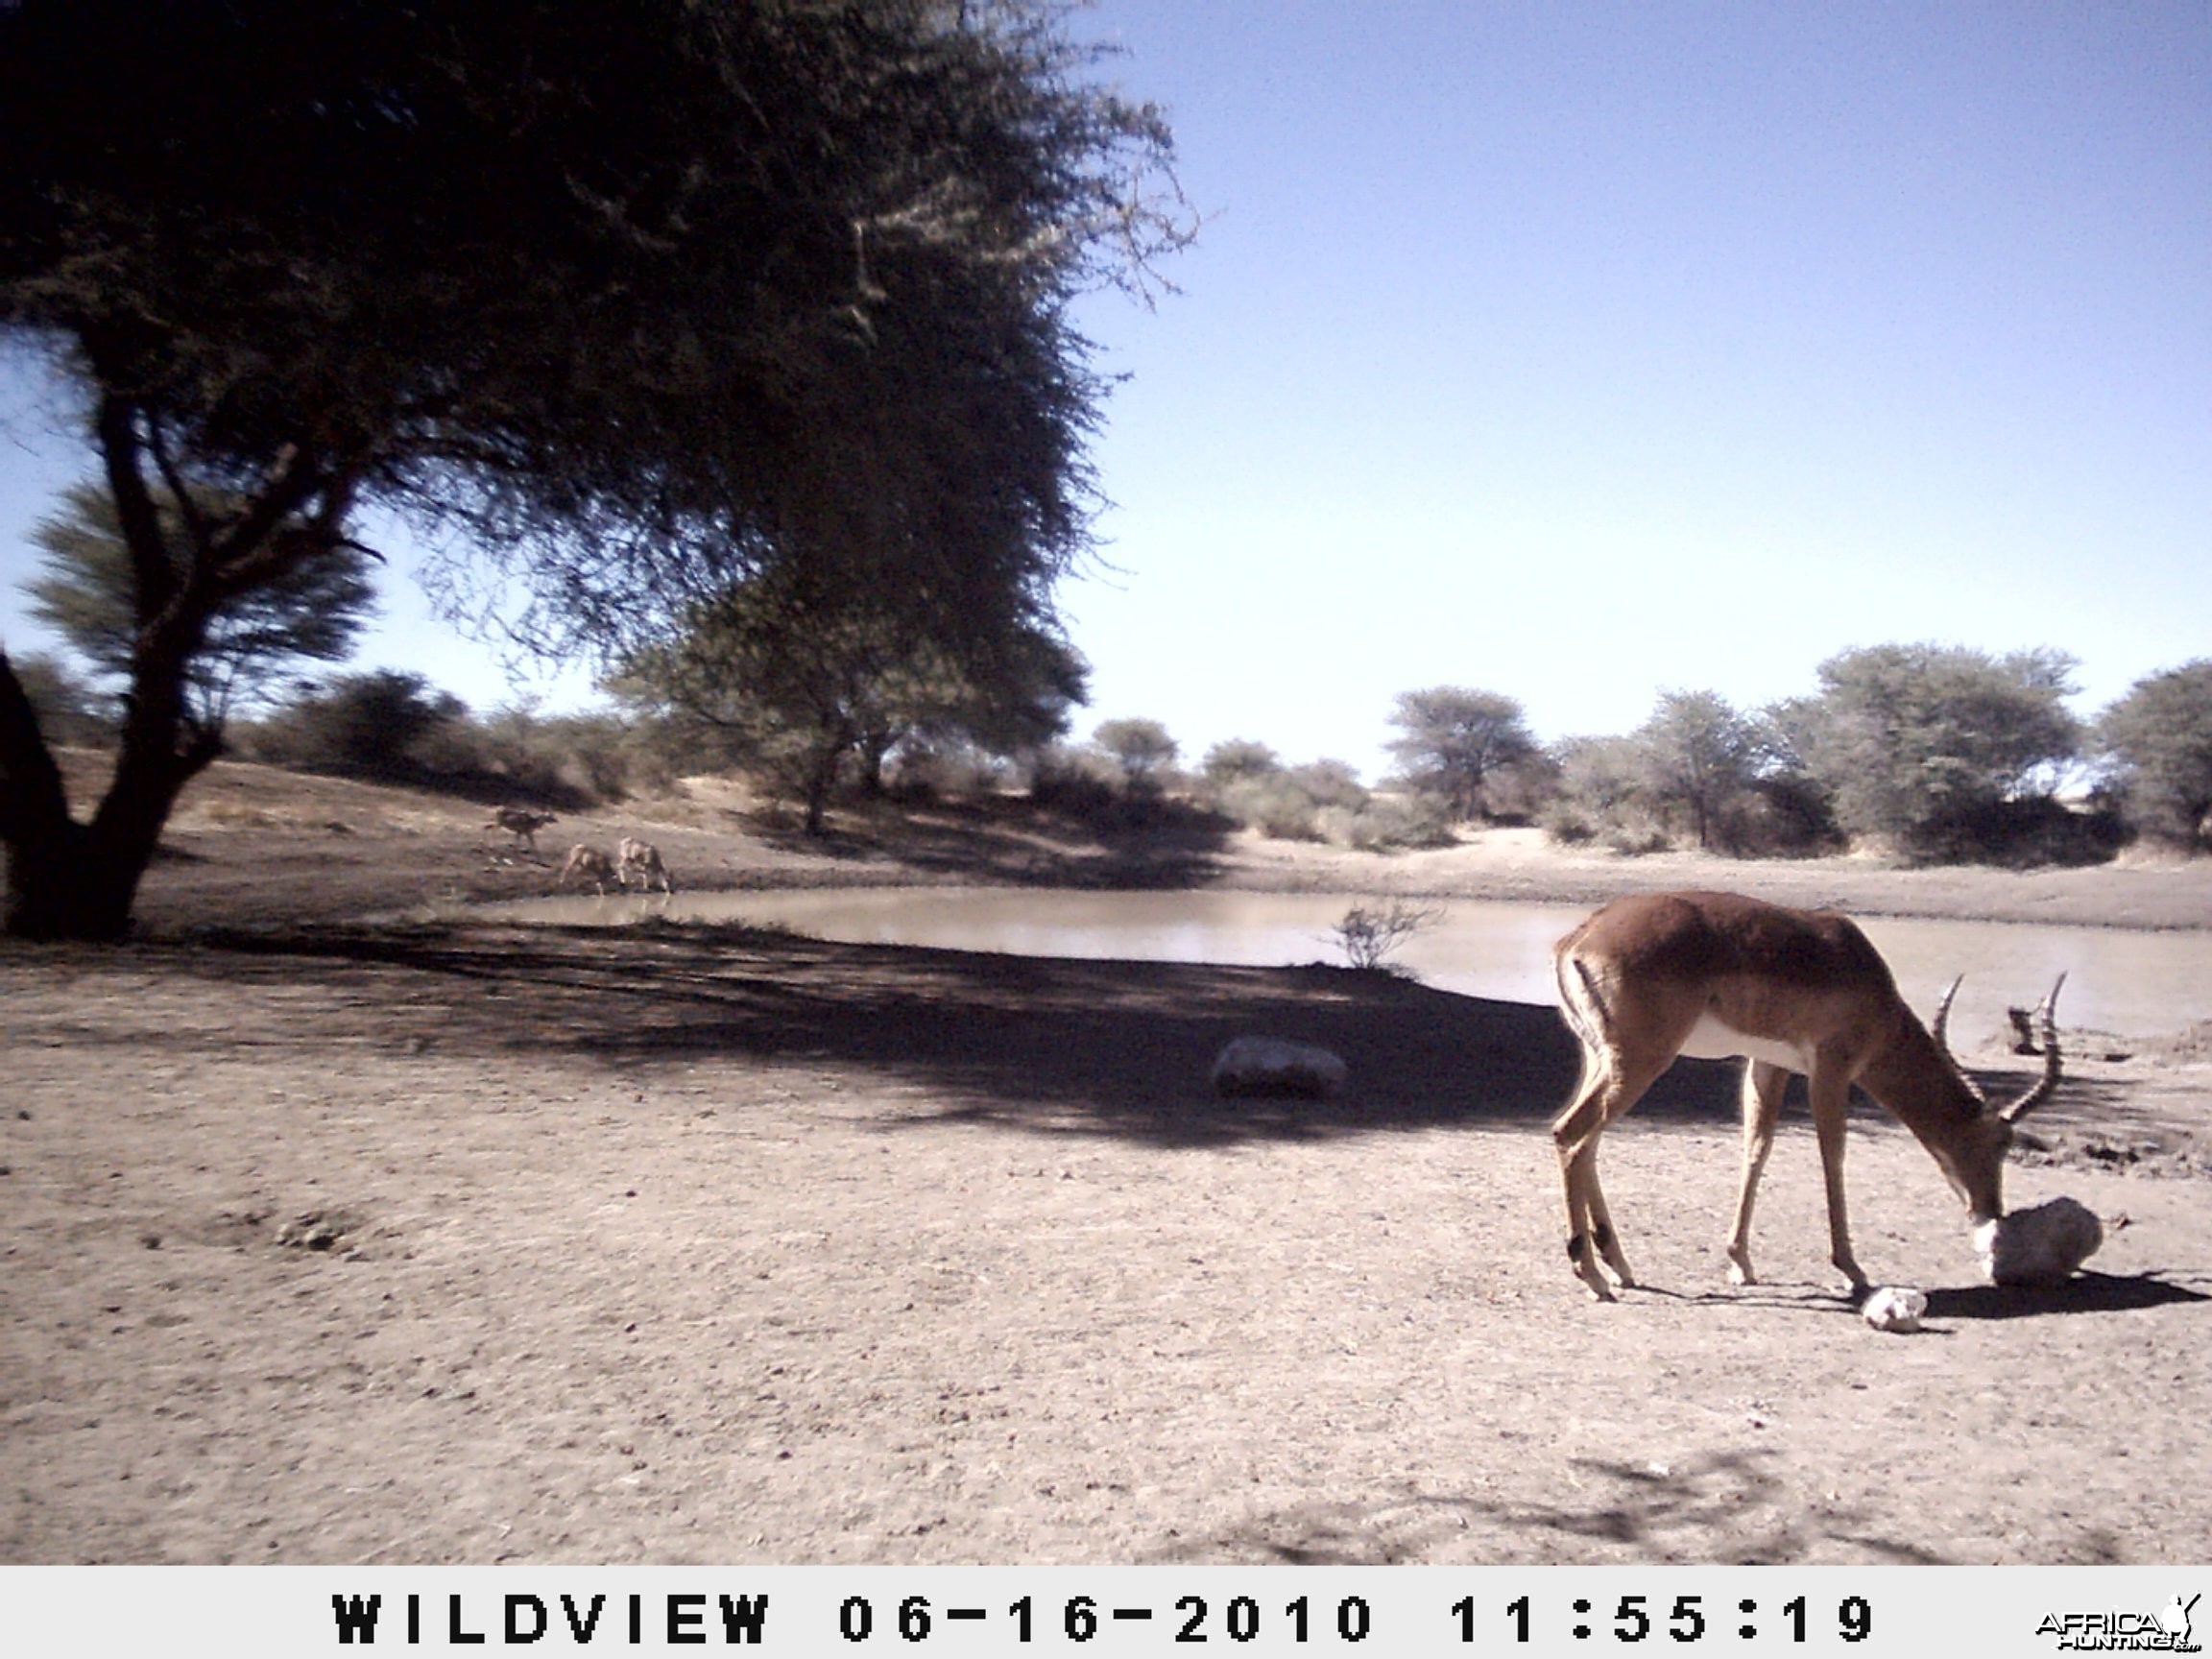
{"points": [[2138, 983]]}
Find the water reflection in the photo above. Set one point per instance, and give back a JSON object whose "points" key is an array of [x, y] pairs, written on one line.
{"points": [[2118, 980]]}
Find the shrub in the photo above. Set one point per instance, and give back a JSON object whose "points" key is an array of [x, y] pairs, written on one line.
{"points": [[1370, 935], [388, 726], [396, 728], [1784, 816], [1276, 805], [1387, 823], [1602, 794]]}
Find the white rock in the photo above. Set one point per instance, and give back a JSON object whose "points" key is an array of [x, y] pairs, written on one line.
{"points": [[1894, 1308], [2039, 1246], [1272, 1066]]}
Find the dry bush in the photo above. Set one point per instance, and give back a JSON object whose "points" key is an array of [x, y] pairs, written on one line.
{"points": [[1371, 934]]}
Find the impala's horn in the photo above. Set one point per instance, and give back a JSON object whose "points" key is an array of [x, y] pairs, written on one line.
{"points": [[1943, 1018], [2047, 1022]]}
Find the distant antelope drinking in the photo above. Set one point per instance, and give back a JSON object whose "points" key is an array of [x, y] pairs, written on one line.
{"points": [[643, 860], [589, 863]]}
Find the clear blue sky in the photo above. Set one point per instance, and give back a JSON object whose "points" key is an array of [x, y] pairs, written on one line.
{"points": [[1576, 351]]}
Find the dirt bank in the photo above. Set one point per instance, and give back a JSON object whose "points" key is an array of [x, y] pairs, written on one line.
{"points": [[251, 845]]}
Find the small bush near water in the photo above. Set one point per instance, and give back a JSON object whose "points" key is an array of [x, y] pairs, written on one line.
{"points": [[1370, 935]]}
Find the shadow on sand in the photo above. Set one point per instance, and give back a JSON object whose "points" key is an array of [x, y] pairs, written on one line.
{"points": [[1733, 1505], [2086, 1293], [1044, 1045]]}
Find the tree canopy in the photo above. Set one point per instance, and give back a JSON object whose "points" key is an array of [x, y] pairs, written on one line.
{"points": [[620, 305], [1454, 740], [1699, 755], [2161, 734], [1142, 748], [1920, 745], [310, 610], [800, 678]]}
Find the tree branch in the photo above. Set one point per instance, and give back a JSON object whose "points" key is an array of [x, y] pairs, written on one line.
{"points": [[117, 428], [187, 509]]}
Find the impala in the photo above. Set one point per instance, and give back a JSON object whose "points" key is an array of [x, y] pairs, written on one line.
{"points": [[643, 860], [1713, 974], [522, 823], [587, 863]]}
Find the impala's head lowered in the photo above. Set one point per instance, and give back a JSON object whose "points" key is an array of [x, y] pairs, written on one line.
{"points": [[1972, 1157], [1710, 974]]}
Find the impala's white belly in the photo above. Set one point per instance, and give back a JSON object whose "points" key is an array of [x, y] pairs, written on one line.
{"points": [[1710, 1039]]}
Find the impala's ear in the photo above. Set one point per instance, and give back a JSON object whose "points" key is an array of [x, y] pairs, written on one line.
{"points": [[2047, 1022]]}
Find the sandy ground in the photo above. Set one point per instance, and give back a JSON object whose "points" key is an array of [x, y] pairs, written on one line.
{"points": [[322, 1242]]}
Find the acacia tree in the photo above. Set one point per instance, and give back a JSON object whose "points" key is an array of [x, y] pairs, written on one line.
{"points": [[312, 610], [1237, 760], [1142, 748], [1697, 754], [2161, 734], [800, 676], [1454, 740], [619, 304], [1923, 745]]}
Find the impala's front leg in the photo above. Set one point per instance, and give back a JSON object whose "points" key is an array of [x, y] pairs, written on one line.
{"points": [[1831, 1096], [1762, 1086]]}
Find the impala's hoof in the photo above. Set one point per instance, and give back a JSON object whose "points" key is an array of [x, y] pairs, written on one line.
{"points": [[1594, 1282]]}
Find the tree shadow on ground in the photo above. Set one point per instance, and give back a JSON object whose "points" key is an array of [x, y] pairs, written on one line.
{"points": [[2113, 1122], [1050, 1046], [1731, 1506], [1042, 1045]]}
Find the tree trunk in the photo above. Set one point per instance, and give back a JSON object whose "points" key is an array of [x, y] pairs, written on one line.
{"points": [[71, 880], [63, 886], [873, 749]]}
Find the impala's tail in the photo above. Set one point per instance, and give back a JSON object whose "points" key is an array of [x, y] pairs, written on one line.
{"points": [[1581, 1004]]}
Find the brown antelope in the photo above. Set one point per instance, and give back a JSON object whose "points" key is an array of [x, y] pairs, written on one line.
{"points": [[643, 860], [589, 863], [1713, 974], [522, 823]]}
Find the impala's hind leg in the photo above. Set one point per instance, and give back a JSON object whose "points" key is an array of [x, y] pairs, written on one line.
{"points": [[1762, 1086], [1603, 1095], [1575, 1133], [1602, 1234]]}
